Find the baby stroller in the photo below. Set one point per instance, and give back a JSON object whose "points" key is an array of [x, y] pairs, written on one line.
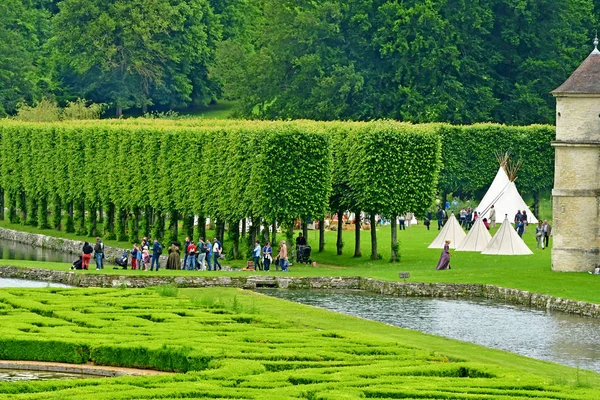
{"points": [[303, 255], [122, 261]]}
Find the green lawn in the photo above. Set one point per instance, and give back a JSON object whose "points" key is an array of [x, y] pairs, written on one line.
{"points": [[532, 273], [239, 344]]}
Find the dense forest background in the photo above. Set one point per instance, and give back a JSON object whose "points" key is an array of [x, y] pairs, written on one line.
{"points": [[457, 61]]}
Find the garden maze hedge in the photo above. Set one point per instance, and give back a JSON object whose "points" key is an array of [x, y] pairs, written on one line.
{"points": [[237, 344]]}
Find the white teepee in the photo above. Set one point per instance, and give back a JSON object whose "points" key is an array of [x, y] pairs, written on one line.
{"points": [[477, 238], [507, 242], [505, 197], [451, 231]]}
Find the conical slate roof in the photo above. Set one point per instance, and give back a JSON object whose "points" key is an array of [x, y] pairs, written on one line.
{"points": [[477, 239], [507, 242], [585, 78], [451, 231]]}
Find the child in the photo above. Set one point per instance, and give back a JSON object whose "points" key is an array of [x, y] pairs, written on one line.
{"points": [[134, 256], [146, 258]]}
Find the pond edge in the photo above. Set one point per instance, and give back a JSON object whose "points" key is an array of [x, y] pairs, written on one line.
{"points": [[371, 285]]}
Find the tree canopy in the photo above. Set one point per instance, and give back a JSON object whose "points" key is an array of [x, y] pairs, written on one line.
{"points": [[419, 61]]}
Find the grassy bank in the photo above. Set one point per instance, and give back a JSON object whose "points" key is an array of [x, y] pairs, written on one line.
{"points": [[246, 345], [532, 273]]}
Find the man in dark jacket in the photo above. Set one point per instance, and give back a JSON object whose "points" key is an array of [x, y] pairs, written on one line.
{"points": [[156, 252]]}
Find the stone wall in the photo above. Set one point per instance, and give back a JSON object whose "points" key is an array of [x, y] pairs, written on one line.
{"points": [[64, 245], [414, 289]]}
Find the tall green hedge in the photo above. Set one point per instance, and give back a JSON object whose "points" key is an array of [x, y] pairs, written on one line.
{"points": [[128, 176], [469, 157]]}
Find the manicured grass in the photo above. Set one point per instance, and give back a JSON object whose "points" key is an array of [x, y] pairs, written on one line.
{"points": [[245, 345], [532, 273]]}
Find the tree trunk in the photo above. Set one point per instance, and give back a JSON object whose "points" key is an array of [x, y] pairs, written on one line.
{"points": [[101, 214], [265, 232], [339, 243], [234, 234], [57, 213], [202, 226], [322, 235], [274, 234], [109, 223], [31, 204], [133, 218], [536, 203], [158, 227], [92, 219], [13, 218], [357, 252], [42, 213], [70, 228], [23, 206], [374, 255], [80, 218], [244, 227], [305, 230], [394, 225], [221, 231], [119, 111], [1, 204], [174, 225], [121, 219]]}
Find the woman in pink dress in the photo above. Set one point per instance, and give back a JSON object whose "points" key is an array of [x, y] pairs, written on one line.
{"points": [[444, 262]]}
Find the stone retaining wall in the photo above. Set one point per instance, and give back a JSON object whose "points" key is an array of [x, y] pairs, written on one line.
{"points": [[64, 245], [414, 289]]}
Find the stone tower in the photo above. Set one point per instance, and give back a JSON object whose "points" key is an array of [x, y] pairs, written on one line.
{"points": [[576, 194]]}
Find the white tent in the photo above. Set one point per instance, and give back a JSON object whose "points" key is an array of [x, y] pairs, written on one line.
{"points": [[505, 197], [507, 242], [477, 239], [451, 231]]}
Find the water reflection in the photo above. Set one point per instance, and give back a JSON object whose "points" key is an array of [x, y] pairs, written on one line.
{"points": [[553, 336], [22, 283], [10, 250]]}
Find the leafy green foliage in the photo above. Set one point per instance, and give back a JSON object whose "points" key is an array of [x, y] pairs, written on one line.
{"points": [[420, 61]]}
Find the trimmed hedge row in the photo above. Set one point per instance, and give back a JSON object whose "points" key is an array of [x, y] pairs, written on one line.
{"points": [[139, 172]]}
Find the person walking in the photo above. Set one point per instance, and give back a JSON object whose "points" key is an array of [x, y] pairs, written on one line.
{"points": [[444, 262], [146, 257], [492, 219], [283, 256], [267, 256], [217, 250], [201, 250], [156, 252], [256, 256], [539, 235], [520, 228], [134, 253], [86, 255], [191, 260], [547, 232], [186, 244], [440, 217], [209, 253], [99, 253], [174, 260]]}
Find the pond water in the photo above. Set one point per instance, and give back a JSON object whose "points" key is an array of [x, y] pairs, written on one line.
{"points": [[10, 250], [552, 336], [10, 375], [22, 283]]}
